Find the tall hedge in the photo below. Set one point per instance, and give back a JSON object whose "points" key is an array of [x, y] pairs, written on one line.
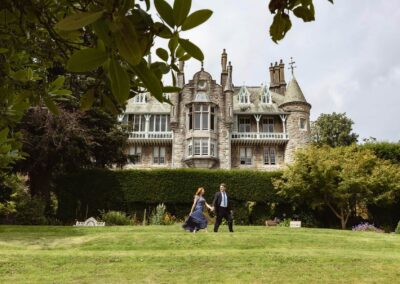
{"points": [[86, 192]]}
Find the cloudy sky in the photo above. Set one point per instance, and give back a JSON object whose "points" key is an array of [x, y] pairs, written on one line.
{"points": [[348, 60]]}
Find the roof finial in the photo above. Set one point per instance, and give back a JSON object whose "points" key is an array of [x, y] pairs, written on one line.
{"points": [[202, 66], [291, 63]]}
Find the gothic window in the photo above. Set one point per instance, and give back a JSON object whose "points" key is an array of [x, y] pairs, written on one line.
{"points": [[244, 96], [244, 124], [269, 156], [140, 98], [267, 124], [135, 154], [246, 155], [159, 155], [303, 123], [266, 96]]}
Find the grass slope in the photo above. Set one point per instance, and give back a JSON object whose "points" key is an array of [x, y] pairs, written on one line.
{"points": [[166, 254]]}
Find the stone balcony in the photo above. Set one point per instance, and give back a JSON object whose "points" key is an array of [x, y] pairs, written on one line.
{"points": [[160, 138], [254, 138]]}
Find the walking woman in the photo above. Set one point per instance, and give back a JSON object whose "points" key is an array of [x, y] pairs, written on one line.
{"points": [[196, 220]]}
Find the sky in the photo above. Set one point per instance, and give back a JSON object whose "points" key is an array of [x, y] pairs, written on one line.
{"points": [[348, 60]]}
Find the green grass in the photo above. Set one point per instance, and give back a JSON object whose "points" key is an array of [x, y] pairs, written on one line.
{"points": [[166, 254]]}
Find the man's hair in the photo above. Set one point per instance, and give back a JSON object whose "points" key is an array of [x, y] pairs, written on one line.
{"points": [[223, 184]]}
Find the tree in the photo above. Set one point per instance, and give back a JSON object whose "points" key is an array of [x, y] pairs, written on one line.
{"points": [[66, 142], [333, 130], [340, 178], [385, 150]]}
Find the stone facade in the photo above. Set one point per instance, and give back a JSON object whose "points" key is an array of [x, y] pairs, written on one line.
{"points": [[217, 125]]}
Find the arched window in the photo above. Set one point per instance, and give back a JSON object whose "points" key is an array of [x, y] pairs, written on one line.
{"points": [[266, 96], [244, 96]]}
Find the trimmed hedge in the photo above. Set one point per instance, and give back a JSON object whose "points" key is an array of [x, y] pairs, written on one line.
{"points": [[83, 193]]}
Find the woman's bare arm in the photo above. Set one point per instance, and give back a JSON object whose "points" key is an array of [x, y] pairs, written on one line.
{"points": [[194, 204]]}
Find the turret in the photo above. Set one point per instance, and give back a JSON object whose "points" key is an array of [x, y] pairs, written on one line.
{"points": [[298, 121], [224, 71], [228, 91]]}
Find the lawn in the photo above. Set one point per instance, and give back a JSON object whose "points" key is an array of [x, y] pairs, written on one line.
{"points": [[166, 254]]}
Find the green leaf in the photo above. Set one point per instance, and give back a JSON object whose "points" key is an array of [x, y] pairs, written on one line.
{"points": [[3, 50], [280, 26], [181, 10], [165, 11], [86, 60], [109, 104], [102, 31], [304, 13], [4, 134], [162, 30], [185, 57], [162, 53], [78, 21], [171, 89], [57, 83], [149, 79], [128, 43], [179, 51], [63, 92], [119, 81], [20, 75], [195, 19], [172, 44], [192, 49], [51, 105], [87, 100]]}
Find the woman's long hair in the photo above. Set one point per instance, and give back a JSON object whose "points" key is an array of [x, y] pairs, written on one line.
{"points": [[199, 191]]}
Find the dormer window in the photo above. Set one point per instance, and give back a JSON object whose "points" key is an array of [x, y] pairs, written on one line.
{"points": [[140, 98], [244, 96], [167, 96], [266, 96]]}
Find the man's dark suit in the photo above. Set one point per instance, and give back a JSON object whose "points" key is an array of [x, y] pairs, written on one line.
{"points": [[222, 212]]}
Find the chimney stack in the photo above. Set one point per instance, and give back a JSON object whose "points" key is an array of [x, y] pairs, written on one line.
{"points": [[224, 72], [277, 77], [181, 74]]}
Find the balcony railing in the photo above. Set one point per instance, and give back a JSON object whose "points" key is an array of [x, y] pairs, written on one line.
{"points": [[149, 137], [257, 137]]}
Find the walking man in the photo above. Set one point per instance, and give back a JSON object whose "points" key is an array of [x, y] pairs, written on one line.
{"points": [[222, 207]]}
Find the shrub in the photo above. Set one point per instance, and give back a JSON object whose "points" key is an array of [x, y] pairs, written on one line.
{"points": [[157, 216], [30, 210], [398, 228], [115, 218], [91, 190], [285, 223], [366, 227], [168, 219]]}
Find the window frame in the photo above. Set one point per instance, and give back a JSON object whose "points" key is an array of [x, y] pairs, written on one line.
{"points": [[247, 159]]}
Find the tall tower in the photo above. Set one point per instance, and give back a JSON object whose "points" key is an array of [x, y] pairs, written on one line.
{"points": [[298, 121]]}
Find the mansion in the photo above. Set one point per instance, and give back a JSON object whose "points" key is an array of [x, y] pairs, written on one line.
{"points": [[218, 125]]}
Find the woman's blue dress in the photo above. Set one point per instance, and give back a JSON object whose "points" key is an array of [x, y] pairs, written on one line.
{"points": [[196, 220]]}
